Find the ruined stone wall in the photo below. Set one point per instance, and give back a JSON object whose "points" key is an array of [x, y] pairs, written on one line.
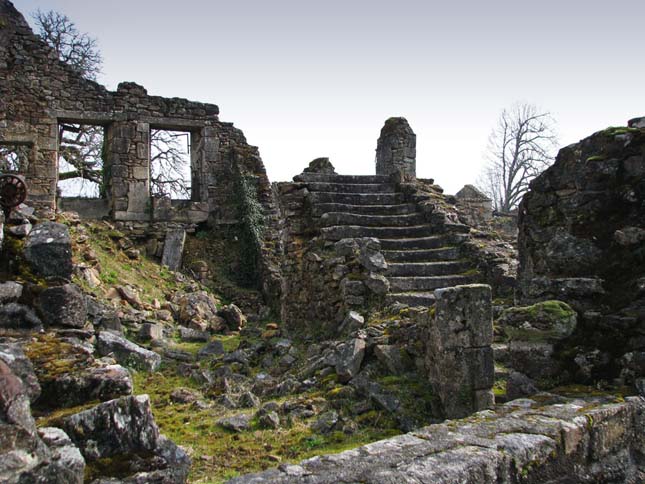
{"points": [[582, 240], [37, 92]]}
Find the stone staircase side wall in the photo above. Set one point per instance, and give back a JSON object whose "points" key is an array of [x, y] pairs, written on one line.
{"points": [[322, 282]]}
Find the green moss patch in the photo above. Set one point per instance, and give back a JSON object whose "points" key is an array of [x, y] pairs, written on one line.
{"points": [[219, 454]]}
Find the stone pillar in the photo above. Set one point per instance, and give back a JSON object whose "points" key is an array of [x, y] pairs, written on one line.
{"points": [[396, 149], [204, 154], [459, 357], [128, 169]]}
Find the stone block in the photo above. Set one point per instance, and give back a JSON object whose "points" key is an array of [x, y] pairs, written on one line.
{"points": [[464, 316], [174, 249], [63, 306], [141, 172], [139, 196], [151, 331], [48, 250], [535, 359]]}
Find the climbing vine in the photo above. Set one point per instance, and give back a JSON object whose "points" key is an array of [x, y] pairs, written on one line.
{"points": [[251, 229]]}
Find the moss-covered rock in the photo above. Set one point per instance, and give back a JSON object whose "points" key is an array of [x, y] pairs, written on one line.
{"points": [[543, 321]]}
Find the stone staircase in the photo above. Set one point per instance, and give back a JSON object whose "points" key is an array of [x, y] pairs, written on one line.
{"points": [[421, 257]]}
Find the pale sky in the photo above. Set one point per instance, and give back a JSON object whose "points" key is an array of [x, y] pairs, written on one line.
{"points": [[305, 78]]}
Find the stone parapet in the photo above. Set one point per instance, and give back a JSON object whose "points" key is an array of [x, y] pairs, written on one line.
{"points": [[546, 440]]}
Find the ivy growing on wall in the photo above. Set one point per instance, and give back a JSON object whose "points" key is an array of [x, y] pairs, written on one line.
{"points": [[251, 230]]}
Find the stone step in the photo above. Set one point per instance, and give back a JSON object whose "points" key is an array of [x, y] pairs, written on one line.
{"points": [[352, 179], [411, 298], [351, 187], [343, 218], [423, 269], [422, 255], [357, 198], [401, 209], [338, 232], [411, 284], [417, 243]]}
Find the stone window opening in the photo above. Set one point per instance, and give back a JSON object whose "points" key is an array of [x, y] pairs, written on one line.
{"points": [[14, 157], [81, 171], [170, 164]]}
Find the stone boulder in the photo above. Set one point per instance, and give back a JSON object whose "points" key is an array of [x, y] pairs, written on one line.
{"points": [[48, 249], [544, 321], [26, 456], [116, 427], [236, 423], [20, 317], [68, 462], [370, 255], [198, 310], [81, 386], [235, 319], [126, 352], [125, 429], [63, 306], [519, 386], [350, 358], [189, 334], [15, 358], [10, 291]]}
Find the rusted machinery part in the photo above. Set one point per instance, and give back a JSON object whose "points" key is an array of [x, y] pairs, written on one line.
{"points": [[13, 191]]}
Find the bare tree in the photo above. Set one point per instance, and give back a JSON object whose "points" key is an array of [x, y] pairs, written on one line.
{"points": [[520, 147], [74, 48], [169, 164], [81, 146]]}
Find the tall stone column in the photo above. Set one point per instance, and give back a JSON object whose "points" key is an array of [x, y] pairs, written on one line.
{"points": [[396, 149], [128, 169]]}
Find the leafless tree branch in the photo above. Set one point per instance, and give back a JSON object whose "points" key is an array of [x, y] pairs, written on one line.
{"points": [[520, 147]]}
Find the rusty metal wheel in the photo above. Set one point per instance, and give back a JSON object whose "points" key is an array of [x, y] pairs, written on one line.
{"points": [[13, 191]]}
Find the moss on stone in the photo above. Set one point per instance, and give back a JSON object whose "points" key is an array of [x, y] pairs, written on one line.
{"points": [[616, 130], [543, 321], [52, 357]]}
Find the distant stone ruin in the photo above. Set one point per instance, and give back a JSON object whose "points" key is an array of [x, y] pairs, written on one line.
{"points": [[475, 206]]}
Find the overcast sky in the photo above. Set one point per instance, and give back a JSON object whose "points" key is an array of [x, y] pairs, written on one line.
{"points": [[305, 79]]}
